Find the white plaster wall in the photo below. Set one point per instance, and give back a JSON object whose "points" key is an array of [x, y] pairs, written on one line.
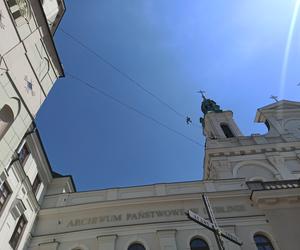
{"points": [[22, 58]]}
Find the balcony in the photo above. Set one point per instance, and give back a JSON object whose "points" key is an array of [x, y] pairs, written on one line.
{"points": [[273, 185]]}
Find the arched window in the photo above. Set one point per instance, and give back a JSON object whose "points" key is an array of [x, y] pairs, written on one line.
{"points": [[262, 242], [227, 131], [6, 119], [136, 246], [198, 244], [267, 125]]}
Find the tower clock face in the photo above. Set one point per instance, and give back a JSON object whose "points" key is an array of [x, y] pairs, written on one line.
{"points": [[24, 8], [293, 126]]}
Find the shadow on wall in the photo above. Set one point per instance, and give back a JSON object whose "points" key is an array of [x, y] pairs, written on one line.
{"points": [[6, 119]]}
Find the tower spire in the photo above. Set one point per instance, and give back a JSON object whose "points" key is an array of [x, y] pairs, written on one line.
{"points": [[209, 105], [202, 93], [217, 123]]}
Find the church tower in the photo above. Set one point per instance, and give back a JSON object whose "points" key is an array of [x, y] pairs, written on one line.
{"points": [[267, 157], [216, 122]]}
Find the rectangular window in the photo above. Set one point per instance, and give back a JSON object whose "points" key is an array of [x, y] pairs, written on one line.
{"points": [[20, 10], [5, 192], [11, 3], [24, 154], [36, 184], [18, 232], [14, 8]]}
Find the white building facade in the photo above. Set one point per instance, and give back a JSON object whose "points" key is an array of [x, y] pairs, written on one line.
{"points": [[29, 66], [252, 183]]}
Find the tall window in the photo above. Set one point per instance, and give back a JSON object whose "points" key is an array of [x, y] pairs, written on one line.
{"points": [[24, 154], [5, 192], [262, 242], [136, 246], [198, 244], [267, 124], [6, 119], [227, 131], [18, 232], [36, 183], [20, 10]]}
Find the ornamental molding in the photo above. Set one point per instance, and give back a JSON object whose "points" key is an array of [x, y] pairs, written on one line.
{"points": [[276, 160], [253, 163]]}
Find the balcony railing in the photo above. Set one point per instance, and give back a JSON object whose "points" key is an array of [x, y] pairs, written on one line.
{"points": [[273, 185]]}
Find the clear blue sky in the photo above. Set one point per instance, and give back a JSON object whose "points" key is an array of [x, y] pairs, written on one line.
{"points": [[233, 49]]}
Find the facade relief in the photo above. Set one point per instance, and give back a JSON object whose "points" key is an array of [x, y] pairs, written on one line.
{"points": [[145, 216]]}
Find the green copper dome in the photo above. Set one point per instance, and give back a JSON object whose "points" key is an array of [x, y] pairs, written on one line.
{"points": [[209, 105]]}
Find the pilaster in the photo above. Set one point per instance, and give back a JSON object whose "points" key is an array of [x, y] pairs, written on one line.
{"points": [[106, 242], [167, 239]]}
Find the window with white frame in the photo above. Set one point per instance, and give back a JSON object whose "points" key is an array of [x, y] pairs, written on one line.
{"points": [[36, 184], [18, 232], [262, 242], [5, 193], [20, 11]]}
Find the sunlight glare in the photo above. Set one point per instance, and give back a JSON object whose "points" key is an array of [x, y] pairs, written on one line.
{"points": [[287, 49]]}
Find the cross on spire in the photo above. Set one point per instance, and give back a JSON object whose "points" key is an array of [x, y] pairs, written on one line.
{"points": [[202, 93], [275, 98]]}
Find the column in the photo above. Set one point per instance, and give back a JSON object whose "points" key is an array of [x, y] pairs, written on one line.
{"points": [[167, 240], [107, 242]]}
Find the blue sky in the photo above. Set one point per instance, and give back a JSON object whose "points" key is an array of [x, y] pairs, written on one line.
{"points": [[234, 50]]}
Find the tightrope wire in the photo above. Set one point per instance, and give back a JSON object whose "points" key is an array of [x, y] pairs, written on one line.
{"points": [[102, 92], [124, 74]]}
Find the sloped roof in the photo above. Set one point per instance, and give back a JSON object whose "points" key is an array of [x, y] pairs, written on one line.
{"points": [[280, 105]]}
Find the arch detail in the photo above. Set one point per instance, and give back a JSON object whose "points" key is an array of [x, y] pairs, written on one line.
{"points": [[15, 105], [79, 247], [267, 235], [6, 119], [253, 163], [136, 240], [289, 120], [136, 246], [198, 236]]}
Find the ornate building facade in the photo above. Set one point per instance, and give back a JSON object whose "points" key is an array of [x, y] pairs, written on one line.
{"points": [[29, 66], [251, 181]]}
